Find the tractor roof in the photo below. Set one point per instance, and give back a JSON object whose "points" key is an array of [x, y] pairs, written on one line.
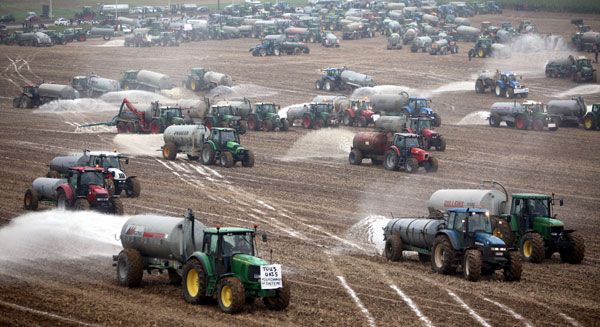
{"points": [[106, 154], [461, 210], [418, 98], [407, 135], [87, 169], [222, 230], [222, 129], [508, 73], [530, 196]]}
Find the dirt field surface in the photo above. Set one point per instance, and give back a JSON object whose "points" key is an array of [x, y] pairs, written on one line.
{"points": [[323, 216]]}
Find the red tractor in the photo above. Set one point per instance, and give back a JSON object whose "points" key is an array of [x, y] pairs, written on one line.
{"points": [[401, 150], [83, 188], [428, 137], [358, 113]]}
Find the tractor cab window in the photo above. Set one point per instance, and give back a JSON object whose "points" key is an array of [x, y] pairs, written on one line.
{"points": [[229, 135], [512, 78], [421, 103], [479, 222], [91, 178], [29, 89], [106, 162], [267, 108], [411, 142], [212, 246], [459, 220], [237, 243], [595, 108], [538, 207]]}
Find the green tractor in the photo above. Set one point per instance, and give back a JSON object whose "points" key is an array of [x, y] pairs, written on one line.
{"points": [[224, 116], [220, 263], [482, 47], [591, 120], [319, 115], [223, 146], [265, 116]]}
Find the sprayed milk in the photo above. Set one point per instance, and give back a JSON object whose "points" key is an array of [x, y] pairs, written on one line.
{"points": [[323, 143], [241, 91], [139, 144], [475, 118], [369, 230]]}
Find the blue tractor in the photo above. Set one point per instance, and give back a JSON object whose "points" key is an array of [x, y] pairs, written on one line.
{"points": [[419, 107], [461, 238], [502, 83]]}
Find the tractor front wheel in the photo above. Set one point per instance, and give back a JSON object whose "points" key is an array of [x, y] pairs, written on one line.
{"points": [[285, 125], [248, 160], [411, 165], [431, 166], [441, 144], [130, 268], [538, 125], [281, 300], [231, 295], [512, 272], [81, 204], [347, 119], [227, 159], [472, 265], [479, 88], [133, 188], [575, 254]]}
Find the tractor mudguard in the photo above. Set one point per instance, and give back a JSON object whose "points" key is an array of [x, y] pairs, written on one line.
{"points": [[452, 236], [351, 113], [212, 144], [68, 191], [395, 148], [203, 258]]}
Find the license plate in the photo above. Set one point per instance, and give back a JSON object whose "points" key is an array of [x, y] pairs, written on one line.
{"points": [[101, 199], [499, 254], [551, 125], [517, 91]]}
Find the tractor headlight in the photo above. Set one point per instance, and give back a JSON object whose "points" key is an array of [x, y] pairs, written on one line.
{"points": [[497, 249]]}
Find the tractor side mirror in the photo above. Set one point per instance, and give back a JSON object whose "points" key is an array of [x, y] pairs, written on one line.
{"points": [[264, 237], [127, 161], [561, 202]]}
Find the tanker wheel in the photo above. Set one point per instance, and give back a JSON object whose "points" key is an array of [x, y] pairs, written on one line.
{"points": [[538, 125], [226, 159], [81, 204], [347, 119], [281, 300], [248, 160], [472, 265], [267, 125], [431, 165], [252, 123], [532, 247], [31, 199], [130, 268], [575, 254], [495, 120], [393, 248], [61, 200], [441, 145], [194, 282], [129, 128], [155, 127], [514, 268], [443, 256], [391, 160], [208, 155], [479, 88], [133, 187], [520, 122], [231, 295], [169, 151], [355, 157], [174, 277], [117, 206], [588, 123]]}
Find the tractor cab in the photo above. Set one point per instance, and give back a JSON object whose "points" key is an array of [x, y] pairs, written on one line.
{"points": [[321, 108], [582, 63], [80, 83], [30, 89], [88, 181], [418, 124], [333, 72], [223, 244], [534, 211], [107, 160], [534, 107], [264, 109], [473, 228], [130, 75], [222, 112], [198, 72], [224, 135], [406, 141], [419, 106]]}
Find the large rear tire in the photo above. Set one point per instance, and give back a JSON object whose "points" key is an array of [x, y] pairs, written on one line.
{"points": [[520, 122], [231, 295], [391, 160], [194, 282], [443, 256], [130, 268]]}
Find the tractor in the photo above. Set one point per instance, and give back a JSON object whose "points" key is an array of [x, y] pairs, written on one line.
{"points": [[265, 116], [319, 115], [406, 152], [358, 113], [502, 83], [428, 137], [223, 146], [420, 106], [224, 116], [482, 47], [591, 120]]}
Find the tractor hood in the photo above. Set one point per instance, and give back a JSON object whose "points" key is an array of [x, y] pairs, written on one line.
{"points": [[118, 174], [234, 147], [248, 260], [515, 84], [419, 154], [426, 111], [548, 222], [489, 240], [98, 191], [429, 133]]}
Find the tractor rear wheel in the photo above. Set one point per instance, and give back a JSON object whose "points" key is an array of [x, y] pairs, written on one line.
{"points": [[253, 123], [362, 121], [306, 122], [155, 127], [355, 157], [588, 122], [441, 145], [393, 248], [494, 120], [169, 151], [391, 160], [411, 165], [532, 247], [437, 120], [121, 127], [194, 282], [81, 204], [443, 256], [129, 128], [319, 123], [133, 188], [208, 155], [479, 88], [227, 159], [281, 300], [31, 199], [577, 251], [481, 53], [130, 268], [318, 85], [262, 52], [231, 295], [520, 122], [472, 265], [512, 272], [431, 166], [499, 91], [117, 206], [248, 160]]}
